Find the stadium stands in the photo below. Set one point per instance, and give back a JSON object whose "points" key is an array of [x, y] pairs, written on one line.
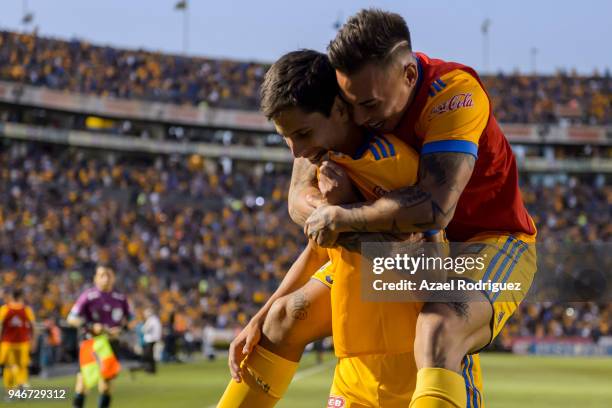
{"points": [[186, 236], [79, 66]]}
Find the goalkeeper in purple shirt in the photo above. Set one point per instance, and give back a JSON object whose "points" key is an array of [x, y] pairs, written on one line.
{"points": [[99, 310]]}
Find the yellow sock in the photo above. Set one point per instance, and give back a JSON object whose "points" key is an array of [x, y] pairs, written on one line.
{"points": [[8, 377], [439, 388], [22, 375], [264, 382]]}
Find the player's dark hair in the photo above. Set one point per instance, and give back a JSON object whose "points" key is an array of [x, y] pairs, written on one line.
{"points": [[372, 35], [303, 79], [17, 294]]}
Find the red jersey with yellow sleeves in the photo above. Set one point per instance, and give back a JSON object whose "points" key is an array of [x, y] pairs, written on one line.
{"points": [[383, 164], [16, 322], [451, 112]]}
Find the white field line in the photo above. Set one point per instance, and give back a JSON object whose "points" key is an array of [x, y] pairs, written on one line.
{"points": [[307, 372]]}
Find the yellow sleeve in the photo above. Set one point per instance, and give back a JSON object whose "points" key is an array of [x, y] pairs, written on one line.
{"points": [[3, 312], [30, 314], [455, 115]]}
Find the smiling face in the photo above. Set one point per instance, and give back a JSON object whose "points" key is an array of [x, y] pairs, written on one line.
{"points": [[379, 94], [312, 135]]}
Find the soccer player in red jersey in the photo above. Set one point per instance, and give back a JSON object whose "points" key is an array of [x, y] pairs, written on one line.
{"points": [[17, 326], [468, 185]]}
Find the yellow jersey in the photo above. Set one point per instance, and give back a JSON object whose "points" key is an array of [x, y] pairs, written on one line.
{"points": [[383, 164]]}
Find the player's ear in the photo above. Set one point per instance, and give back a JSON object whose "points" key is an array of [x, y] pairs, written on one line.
{"points": [[411, 73]]}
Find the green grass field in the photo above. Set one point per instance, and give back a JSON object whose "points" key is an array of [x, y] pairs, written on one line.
{"points": [[510, 381]]}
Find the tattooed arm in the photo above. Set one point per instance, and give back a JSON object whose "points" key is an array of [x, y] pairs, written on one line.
{"points": [[336, 188], [304, 196], [430, 204]]}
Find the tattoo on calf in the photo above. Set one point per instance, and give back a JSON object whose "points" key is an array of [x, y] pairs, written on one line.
{"points": [[299, 306]]}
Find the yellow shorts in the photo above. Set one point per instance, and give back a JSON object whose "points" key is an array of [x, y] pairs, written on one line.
{"points": [[325, 274], [507, 259], [15, 354], [388, 381]]}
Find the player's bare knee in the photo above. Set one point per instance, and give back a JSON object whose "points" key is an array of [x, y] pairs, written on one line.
{"points": [[79, 387], [104, 387], [278, 323]]}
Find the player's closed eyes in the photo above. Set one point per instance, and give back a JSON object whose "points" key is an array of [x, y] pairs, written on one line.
{"points": [[302, 135]]}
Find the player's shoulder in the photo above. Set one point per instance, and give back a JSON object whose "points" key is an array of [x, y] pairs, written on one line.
{"points": [[453, 92], [387, 147], [118, 296], [400, 148], [30, 312], [458, 82], [15, 306], [89, 294]]}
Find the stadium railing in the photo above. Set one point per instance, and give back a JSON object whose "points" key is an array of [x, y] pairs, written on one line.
{"points": [[25, 95]]}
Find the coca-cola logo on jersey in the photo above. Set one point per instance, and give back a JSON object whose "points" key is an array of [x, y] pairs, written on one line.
{"points": [[462, 100]]}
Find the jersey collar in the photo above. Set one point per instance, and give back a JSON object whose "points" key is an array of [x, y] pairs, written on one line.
{"points": [[364, 147]]}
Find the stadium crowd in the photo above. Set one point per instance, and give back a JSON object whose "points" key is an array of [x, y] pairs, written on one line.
{"points": [[205, 244], [79, 66]]}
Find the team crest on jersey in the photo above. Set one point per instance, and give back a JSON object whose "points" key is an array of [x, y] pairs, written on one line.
{"points": [[462, 100], [335, 402], [15, 322]]}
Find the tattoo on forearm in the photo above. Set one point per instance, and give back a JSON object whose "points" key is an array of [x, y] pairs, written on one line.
{"points": [[437, 215], [405, 197], [442, 178], [410, 196], [299, 306], [304, 172], [443, 167], [303, 176]]}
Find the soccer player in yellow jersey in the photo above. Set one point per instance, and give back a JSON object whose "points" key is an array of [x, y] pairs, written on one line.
{"points": [[468, 186], [300, 95], [17, 327]]}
